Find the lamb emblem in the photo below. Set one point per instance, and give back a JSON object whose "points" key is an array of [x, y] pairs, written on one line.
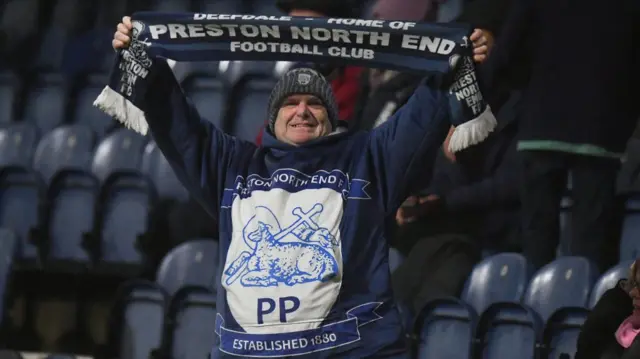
{"points": [[299, 253]]}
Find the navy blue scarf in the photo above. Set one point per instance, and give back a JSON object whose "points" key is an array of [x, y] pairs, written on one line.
{"points": [[442, 49]]}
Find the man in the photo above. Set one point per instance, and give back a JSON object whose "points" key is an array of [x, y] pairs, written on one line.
{"points": [[301, 217], [344, 79], [581, 132]]}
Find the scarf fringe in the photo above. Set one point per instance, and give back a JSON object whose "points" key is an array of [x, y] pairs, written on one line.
{"points": [[473, 132], [117, 106]]}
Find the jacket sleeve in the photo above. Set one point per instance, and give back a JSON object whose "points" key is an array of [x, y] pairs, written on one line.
{"points": [[598, 331], [403, 149], [499, 189], [199, 153]]}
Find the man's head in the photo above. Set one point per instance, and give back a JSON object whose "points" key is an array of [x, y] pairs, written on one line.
{"points": [[302, 107]]}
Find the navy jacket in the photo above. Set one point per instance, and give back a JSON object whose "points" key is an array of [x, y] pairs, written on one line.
{"points": [[304, 253]]}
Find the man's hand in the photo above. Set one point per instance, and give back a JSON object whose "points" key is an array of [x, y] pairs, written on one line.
{"points": [[482, 43], [414, 208], [122, 36]]}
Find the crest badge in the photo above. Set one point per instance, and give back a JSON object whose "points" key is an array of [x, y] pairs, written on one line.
{"points": [[304, 79]]}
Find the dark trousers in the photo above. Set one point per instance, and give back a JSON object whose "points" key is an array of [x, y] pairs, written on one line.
{"points": [[593, 211]]}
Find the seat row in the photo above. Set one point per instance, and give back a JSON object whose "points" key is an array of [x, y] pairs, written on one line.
{"points": [[506, 313]]}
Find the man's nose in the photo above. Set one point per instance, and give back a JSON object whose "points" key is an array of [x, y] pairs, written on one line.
{"points": [[302, 109]]}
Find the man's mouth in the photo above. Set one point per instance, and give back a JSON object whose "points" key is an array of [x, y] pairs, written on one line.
{"points": [[303, 125]]}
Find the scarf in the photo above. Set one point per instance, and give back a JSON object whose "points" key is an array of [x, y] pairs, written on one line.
{"points": [[427, 49], [628, 330]]}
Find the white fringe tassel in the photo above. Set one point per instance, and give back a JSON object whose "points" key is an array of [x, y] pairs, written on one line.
{"points": [[473, 132], [117, 106]]}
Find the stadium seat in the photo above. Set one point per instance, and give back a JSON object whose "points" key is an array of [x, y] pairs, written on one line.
{"points": [[608, 280], [252, 99], [395, 259], [120, 151], [123, 215], [61, 356], [17, 144], [9, 89], [66, 147], [51, 49], [137, 321], [8, 247], [446, 329], [73, 197], [185, 70], [508, 330], [234, 71], [46, 102], [566, 203], [500, 278], [156, 166], [21, 195], [629, 243], [208, 94], [87, 114], [193, 263], [563, 283], [193, 315]]}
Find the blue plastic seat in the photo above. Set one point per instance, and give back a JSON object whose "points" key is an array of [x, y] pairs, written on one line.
{"points": [[73, 197], [193, 263], [447, 330], [235, 71], [208, 94], [21, 195], [125, 203], [66, 147], [252, 99], [609, 280], [193, 312], [120, 151], [138, 321], [46, 102], [17, 144], [156, 166], [87, 114], [183, 71], [500, 278]]}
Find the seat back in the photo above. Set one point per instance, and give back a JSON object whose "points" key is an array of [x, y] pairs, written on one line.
{"points": [[446, 330], [508, 330], [8, 248], [119, 151], [499, 278], [46, 102], [563, 283], [235, 71], [193, 312], [66, 147], [10, 354], [208, 94], [9, 91], [156, 166], [193, 263], [248, 112], [137, 323], [21, 193], [126, 200], [87, 114], [17, 144], [562, 331], [73, 197], [609, 280], [629, 244]]}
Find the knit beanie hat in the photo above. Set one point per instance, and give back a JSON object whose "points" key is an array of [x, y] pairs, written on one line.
{"points": [[302, 81]]}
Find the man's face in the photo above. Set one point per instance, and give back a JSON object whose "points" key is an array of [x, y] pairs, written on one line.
{"points": [[301, 118]]}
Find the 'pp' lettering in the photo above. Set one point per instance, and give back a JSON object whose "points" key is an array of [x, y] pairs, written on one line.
{"points": [[286, 305]]}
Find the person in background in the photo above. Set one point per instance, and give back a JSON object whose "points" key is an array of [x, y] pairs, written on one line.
{"points": [[344, 79], [611, 329], [579, 109]]}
